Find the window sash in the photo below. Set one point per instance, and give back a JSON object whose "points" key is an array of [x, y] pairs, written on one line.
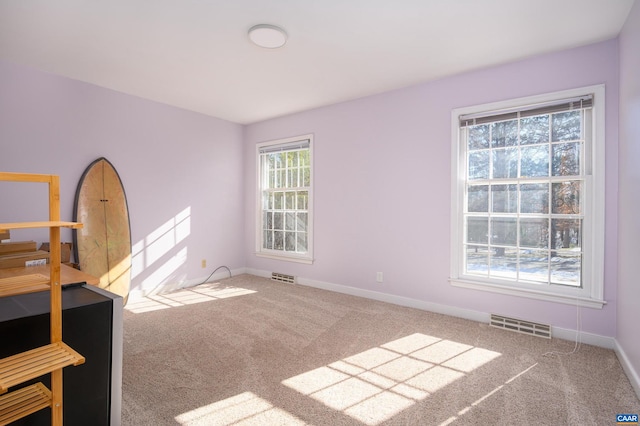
{"points": [[591, 179], [284, 200], [506, 257]]}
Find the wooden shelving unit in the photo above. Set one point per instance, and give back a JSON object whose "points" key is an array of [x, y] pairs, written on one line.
{"points": [[48, 359], [25, 284]]}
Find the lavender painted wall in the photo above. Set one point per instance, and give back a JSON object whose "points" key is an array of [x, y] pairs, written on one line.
{"points": [[382, 169], [629, 193], [182, 171], [382, 190]]}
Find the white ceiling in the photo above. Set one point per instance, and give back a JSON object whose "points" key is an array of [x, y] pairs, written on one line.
{"points": [[195, 54]]}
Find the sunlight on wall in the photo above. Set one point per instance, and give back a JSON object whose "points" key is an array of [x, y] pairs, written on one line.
{"points": [[243, 409], [157, 244], [164, 273], [202, 293], [377, 384]]}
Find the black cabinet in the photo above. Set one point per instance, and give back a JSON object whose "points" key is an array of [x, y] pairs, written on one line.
{"points": [[92, 325]]}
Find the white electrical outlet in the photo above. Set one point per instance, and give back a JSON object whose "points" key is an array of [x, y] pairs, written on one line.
{"points": [[379, 277]]}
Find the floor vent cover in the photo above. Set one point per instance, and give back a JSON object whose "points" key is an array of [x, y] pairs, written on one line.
{"points": [[283, 278], [520, 326]]}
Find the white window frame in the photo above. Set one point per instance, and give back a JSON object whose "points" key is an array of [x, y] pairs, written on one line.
{"points": [[281, 254], [591, 293]]}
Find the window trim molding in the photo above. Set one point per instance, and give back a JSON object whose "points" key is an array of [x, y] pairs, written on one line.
{"points": [[593, 296], [276, 254]]}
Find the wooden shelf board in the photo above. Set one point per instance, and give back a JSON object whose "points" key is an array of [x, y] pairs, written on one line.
{"points": [[40, 224], [24, 401], [68, 275], [23, 284], [25, 177], [28, 365]]}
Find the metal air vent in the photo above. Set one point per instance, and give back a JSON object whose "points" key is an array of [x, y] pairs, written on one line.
{"points": [[283, 278], [520, 326]]}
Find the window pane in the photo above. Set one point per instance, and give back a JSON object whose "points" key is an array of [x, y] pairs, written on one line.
{"points": [[534, 198], [504, 133], [305, 176], [267, 240], [303, 158], [278, 201], [503, 231], [290, 198], [478, 198], [566, 159], [534, 265], [566, 269], [277, 220], [504, 263], [302, 242], [565, 234], [269, 220], [271, 161], [272, 180], [478, 137], [301, 223], [303, 200], [290, 241], [479, 165], [566, 126], [534, 161], [534, 130], [504, 198], [292, 159], [505, 163], [534, 233], [278, 240], [477, 230], [477, 260], [290, 221], [292, 178], [281, 176], [566, 197]]}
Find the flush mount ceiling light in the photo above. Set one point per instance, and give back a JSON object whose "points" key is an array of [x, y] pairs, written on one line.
{"points": [[268, 36]]}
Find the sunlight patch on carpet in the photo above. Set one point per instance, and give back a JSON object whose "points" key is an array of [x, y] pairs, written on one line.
{"points": [[376, 384], [199, 294], [468, 409], [244, 409]]}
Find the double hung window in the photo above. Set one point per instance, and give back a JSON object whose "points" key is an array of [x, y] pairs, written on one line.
{"points": [[285, 199], [528, 197]]}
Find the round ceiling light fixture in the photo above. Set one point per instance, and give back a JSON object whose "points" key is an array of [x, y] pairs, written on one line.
{"points": [[268, 36]]}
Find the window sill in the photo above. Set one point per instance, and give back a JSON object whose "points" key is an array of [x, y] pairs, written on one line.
{"points": [[530, 293], [296, 259]]}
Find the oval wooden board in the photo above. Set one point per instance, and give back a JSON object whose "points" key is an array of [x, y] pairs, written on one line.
{"points": [[103, 246]]}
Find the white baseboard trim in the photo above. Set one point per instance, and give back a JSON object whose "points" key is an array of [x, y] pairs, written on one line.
{"points": [[258, 272], [557, 332], [587, 338], [628, 368], [398, 300]]}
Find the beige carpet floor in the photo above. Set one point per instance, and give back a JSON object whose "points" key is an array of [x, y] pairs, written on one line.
{"points": [[250, 351]]}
